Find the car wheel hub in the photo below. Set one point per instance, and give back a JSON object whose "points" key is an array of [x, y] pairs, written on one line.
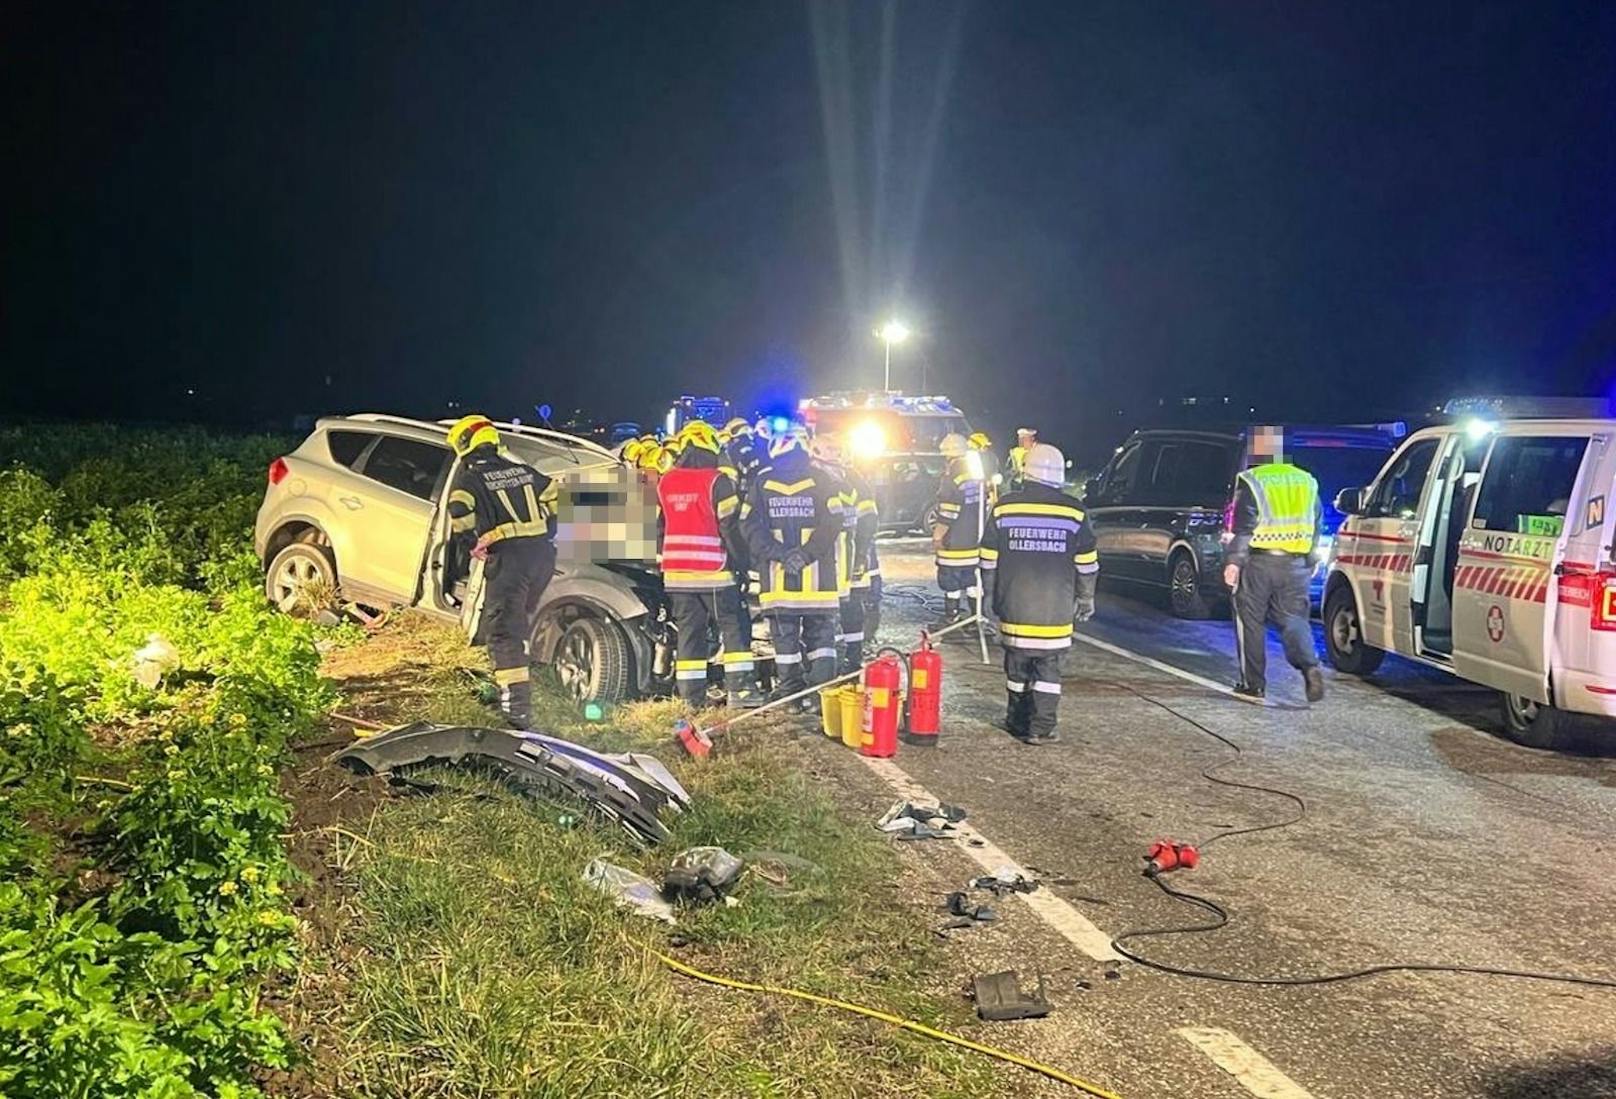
{"points": [[574, 664], [297, 577], [1344, 628]]}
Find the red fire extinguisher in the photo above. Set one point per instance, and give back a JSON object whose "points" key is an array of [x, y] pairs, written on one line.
{"points": [[883, 701], [925, 694]]}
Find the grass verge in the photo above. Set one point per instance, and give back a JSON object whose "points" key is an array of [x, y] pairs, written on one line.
{"points": [[477, 962]]}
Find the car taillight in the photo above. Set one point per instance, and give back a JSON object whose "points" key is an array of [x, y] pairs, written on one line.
{"points": [[278, 469], [1603, 614]]}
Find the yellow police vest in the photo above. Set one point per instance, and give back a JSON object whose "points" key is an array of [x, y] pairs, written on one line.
{"points": [[1287, 501]]}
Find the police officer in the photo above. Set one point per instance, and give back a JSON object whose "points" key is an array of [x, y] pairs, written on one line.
{"points": [[1038, 551], [957, 530], [859, 522], [1026, 439], [700, 526], [793, 523], [504, 507], [1269, 562]]}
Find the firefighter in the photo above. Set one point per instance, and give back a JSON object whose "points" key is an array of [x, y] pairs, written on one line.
{"points": [[742, 451], [857, 549], [792, 524], [957, 528], [1026, 439], [700, 528], [1039, 552], [1269, 562], [982, 447], [505, 508]]}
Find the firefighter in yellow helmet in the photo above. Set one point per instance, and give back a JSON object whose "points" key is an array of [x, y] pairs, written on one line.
{"points": [[957, 527], [1270, 561], [701, 555], [1026, 439], [504, 508]]}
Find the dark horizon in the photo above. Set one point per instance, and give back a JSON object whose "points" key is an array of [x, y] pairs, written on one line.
{"points": [[1080, 208]]}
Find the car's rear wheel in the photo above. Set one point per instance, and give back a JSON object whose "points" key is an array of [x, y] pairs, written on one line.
{"points": [[1343, 636], [592, 661], [1184, 593], [1534, 724], [301, 579]]}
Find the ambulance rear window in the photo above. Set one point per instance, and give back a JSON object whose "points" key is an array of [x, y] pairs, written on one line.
{"points": [[1528, 483]]}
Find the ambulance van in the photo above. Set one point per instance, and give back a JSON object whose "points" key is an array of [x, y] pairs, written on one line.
{"points": [[1484, 547]]}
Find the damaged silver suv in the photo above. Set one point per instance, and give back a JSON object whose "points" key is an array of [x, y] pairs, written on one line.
{"points": [[356, 514]]}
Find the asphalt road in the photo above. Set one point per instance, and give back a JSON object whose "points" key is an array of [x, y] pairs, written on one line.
{"points": [[1427, 838]]}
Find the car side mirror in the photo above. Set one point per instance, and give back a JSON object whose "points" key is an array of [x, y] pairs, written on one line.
{"points": [[1350, 501]]}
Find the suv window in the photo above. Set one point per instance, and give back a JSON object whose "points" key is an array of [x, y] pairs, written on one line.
{"points": [[1121, 478], [1190, 472], [1527, 486], [1397, 495], [407, 465], [347, 446]]}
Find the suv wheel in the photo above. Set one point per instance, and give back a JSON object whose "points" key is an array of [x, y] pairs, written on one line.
{"points": [[592, 661], [1534, 724], [1184, 593], [1343, 636], [301, 580]]}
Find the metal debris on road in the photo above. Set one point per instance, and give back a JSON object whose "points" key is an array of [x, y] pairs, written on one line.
{"points": [[908, 821], [999, 998]]}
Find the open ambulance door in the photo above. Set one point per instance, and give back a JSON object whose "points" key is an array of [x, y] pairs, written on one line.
{"points": [[1505, 587]]}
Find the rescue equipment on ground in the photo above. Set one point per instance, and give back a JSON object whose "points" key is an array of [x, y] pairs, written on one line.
{"points": [[883, 707], [925, 694], [1167, 855]]}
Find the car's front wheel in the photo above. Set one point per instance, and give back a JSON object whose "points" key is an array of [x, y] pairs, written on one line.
{"points": [[301, 579], [592, 661], [1343, 636]]}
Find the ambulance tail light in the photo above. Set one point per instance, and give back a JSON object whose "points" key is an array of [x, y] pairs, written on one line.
{"points": [[1603, 613]]}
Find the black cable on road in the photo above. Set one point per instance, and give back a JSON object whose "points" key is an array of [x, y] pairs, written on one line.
{"points": [[1220, 915]]}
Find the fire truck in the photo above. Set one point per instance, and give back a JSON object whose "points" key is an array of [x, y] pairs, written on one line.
{"points": [[895, 440]]}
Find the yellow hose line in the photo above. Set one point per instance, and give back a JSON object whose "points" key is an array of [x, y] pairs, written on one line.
{"points": [[893, 1020]]}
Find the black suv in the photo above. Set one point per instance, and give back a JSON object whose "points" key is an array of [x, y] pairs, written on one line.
{"points": [[1161, 504]]}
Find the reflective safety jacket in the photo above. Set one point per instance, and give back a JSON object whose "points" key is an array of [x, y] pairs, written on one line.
{"points": [[700, 522], [855, 552], [496, 497], [1039, 551], [1018, 465], [794, 505], [957, 506], [865, 565], [1276, 510]]}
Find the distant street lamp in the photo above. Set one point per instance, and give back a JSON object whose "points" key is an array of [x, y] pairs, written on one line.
{"points": [[894, 331]]}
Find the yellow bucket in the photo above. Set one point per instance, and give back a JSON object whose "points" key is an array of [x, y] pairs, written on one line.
{"points": [[852, 718], [832, 712]]}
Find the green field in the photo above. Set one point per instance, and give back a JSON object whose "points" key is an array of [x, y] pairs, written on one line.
{"points": [[193, 903]]}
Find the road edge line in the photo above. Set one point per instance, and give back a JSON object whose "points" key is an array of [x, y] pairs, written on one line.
{"points": [[1254, 1072], [1058, 913], [1152, 662]]}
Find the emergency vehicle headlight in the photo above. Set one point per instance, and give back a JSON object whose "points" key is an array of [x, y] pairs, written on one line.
{"points": [[868, 440], [1477, 429]]}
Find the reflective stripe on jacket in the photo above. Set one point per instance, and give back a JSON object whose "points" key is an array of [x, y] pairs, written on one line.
{"points": [[1286, 500], [698, 504]]}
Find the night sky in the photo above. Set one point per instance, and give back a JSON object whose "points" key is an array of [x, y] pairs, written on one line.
{"points": [[1328, 210]]}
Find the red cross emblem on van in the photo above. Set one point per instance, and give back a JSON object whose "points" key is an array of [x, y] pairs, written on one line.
{"points": [[1495, 623]]}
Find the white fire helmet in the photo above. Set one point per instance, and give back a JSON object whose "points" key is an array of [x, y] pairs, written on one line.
{"points": [[1046, 465], [952, 445]]}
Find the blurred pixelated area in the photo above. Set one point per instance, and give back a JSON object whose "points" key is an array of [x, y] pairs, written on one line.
{"points": [[605, 514]]}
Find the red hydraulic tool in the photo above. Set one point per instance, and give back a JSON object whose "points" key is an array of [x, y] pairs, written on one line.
{"points": [[1166, 855]]}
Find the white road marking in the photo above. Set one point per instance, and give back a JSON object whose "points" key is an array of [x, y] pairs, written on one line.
{"points": [[1057, 913], [1152, 662], [1251, 1070]]}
